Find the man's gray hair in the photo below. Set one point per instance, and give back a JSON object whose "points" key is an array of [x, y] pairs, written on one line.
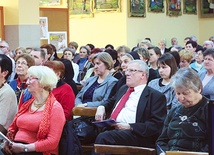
{"points": [[142, 65]]}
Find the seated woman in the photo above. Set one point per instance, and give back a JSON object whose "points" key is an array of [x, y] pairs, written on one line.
{"points": [[23, 62], [90, 72], [185, 59], [20, 50], [82, 62], [63, 92], [116, 71], [145, 56], [38, 125], [8, 102], [198, 65], [186, 126], [97, 89], [69, 54], [69, 74], [167, 67], [154, 53], [121, 50], [207, 76]]}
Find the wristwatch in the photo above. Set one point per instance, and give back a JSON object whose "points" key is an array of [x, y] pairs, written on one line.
{"points": [[25, 148]]}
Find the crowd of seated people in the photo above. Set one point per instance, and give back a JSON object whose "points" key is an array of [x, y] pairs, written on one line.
{"points": [[143, 89]]}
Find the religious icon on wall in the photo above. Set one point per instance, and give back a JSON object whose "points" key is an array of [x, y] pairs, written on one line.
{"points": [[190, 6], [155, 6], [137, 8], [207, 8], [80, 8], [174, 7], [106, 5]]}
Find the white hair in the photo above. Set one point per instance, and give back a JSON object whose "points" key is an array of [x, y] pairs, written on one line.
{"points": [[46, 76]]}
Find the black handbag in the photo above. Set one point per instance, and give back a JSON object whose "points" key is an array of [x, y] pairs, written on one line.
{"points": [[85, 129]]}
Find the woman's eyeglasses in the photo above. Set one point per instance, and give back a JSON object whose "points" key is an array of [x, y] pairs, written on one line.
{"points": [[21, 63], [32, 78]]}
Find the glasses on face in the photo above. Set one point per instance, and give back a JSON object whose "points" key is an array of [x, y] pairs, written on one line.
{"points": [[21, 63], [30, 79], [132, 71], [67, 54]]}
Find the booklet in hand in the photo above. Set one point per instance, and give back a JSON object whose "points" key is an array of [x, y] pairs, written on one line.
{"points": [[5, 138], [104, 123]]}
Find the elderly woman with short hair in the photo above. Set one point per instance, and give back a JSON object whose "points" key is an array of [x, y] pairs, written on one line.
{"points": [[207, 76], [97, 89], [186, 126], [34, 128]]}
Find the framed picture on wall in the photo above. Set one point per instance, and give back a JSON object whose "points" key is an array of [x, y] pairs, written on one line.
{"points": [[155, 6], [207, 8], [49, 2], [106, 5], [173, 7], [190, 6], [80, 8], [43, 23], [58, 39], [136, 8]]}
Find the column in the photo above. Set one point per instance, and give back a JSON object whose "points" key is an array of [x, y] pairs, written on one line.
{"points": [[21, 23]]}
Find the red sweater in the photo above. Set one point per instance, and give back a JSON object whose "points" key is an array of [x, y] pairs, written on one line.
{"points": [[65, 96], [28, 125]]}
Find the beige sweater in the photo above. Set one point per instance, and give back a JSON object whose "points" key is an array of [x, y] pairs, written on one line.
{"points": [[8, 105]]}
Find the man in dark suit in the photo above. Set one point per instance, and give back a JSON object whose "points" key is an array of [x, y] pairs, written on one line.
{"points": [[140, 121]]}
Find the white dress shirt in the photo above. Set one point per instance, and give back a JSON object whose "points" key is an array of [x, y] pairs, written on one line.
{"points": [[128, 113]]}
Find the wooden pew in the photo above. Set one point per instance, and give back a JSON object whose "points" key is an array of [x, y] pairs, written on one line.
{"points": [[185, 153], [120, 149]]}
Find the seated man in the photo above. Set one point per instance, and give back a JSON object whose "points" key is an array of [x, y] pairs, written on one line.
{"points": [[140, 119]]}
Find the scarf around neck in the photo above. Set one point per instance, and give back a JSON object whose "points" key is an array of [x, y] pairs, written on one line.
{"points": [[45, 121]]}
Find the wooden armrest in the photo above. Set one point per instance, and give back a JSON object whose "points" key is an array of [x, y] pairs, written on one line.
{"points": [[120, 149], [84, 111], [185, 153]]}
